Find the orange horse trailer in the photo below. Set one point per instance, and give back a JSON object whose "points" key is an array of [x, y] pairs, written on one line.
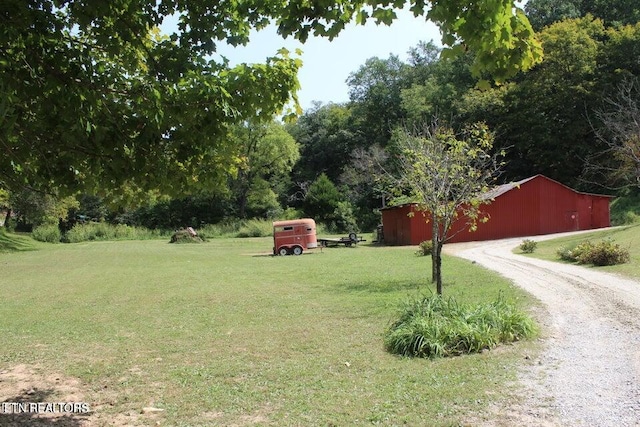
{"points": [[294, 236]]}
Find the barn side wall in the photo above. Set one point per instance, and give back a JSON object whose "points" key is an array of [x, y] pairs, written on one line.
{"points": [[600, 213], [514, 213], [397, 225], [539, 206]]}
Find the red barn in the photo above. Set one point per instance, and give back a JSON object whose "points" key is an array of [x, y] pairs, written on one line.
{"points": [[533, 206]]}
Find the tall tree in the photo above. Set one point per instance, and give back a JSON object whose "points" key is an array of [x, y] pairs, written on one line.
{"points": [[542, 13], [266, 151], [322, 199], [618, 165], [613, 12], [375, 92], [326, 135], [546, 120], [445, 174], [436, 87], [33, 208], [93, 96]]}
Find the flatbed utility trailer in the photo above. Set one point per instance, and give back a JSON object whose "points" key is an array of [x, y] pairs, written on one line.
{"points": [[348, 241]]}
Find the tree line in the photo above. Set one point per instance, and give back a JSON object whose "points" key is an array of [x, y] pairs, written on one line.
{"points": [[573, 117], [149, 134]]}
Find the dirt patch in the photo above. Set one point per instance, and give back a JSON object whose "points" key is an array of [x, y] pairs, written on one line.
{"points": [[29, 396]]}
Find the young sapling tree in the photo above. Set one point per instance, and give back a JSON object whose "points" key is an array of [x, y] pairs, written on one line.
{"points": [[447, 174]]}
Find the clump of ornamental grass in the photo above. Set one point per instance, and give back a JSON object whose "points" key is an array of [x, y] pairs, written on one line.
{"points": [[432, 326]]}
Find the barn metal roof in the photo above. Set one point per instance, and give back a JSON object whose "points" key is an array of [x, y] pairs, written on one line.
{"points": [[501, 189], [504, 188]]}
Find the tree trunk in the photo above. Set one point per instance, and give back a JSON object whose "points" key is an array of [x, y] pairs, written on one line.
{"points": [[242, 205], [434, 244], [6, 219], [436, 258], [437, 262]]}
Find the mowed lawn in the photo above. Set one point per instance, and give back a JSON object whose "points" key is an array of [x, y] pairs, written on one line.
{"points": [[222, 333]]}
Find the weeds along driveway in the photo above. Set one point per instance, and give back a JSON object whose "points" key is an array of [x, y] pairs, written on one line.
{"points": [[589, 371]]}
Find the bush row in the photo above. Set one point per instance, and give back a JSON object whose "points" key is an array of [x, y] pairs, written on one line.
{"points": [[602, 253], [51, 233], [104, 231], [432, 326]]}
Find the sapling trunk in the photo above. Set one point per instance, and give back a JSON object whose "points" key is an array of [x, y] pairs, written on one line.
{"points": [[436, 258]]}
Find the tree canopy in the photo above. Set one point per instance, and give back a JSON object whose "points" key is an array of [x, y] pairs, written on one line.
{"points": [[267, 152], [93, 96], [542, 13]]}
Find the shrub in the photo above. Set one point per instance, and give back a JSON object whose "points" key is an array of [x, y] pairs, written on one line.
{"points": [[566, 254], [87, 232], [256, 228], [602, 253], [581, 251], [528, 246], [432, 326], [49, 233], [425, 248], [605, 252], [237, 228], [627, 218], [344, 218], [625, 208], [103, 231]]}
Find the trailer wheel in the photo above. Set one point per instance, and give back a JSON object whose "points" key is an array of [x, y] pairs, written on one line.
{"points": [[353, 237], [297, 250], [283, 251]]}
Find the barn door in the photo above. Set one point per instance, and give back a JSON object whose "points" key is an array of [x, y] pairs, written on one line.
{"points": [[571, 220], [400, 230]]}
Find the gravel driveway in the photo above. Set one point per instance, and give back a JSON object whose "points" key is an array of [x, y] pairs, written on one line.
{"points": [[589, 371]]}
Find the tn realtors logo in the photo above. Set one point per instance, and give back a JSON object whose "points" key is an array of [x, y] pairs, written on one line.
{"points": [[44, 407]]}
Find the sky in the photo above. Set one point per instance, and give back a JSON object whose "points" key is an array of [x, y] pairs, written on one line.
{"points": [[327, 64]]}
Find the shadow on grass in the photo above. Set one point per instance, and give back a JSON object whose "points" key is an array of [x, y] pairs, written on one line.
{"points": [[623, 228], [20, 411], [15, 243], [271, 255], [388, 286]]}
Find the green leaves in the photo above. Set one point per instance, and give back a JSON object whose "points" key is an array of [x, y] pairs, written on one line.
{"points": [[446, 173], [503, 41], [89, 105], [95, 96], [383, 16]]}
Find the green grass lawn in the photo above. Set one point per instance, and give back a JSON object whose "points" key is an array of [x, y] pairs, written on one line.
{"points": [[627, 237], [13, 242], [221, 333]]}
